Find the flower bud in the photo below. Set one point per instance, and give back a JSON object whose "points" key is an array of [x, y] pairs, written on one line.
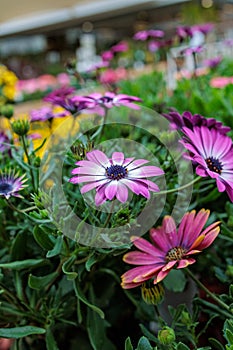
{"points": [[166, 336], [152, 293], [20, 127], [7, 111]]}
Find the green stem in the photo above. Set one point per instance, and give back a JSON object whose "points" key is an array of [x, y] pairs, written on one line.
{"points": [[181, 187], [208, 292], [109, 216], [99, 132], [29, 162]]}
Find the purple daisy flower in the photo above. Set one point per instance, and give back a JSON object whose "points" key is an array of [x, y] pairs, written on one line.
{"points": [[4, 141], [204, 28], [189, 120], [11, 183], [170, 248], [112, 177], [212, 153], [213, 62], [192, 50], [109, 100], [63, 97], [45, 113], [184, 32]]}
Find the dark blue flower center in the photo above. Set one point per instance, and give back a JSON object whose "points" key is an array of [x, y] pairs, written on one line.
{"points": [[5, 188], [214, 165], [116, 172]]}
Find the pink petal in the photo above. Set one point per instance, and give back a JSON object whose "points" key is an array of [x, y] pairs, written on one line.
{"points": [[161, 275], [92, 185], [209, 238], [98, 171], [146, 171], [88, 178], [118, 158], [111, 189], [100, 196], [185, 262], [122, 192], [136, 274], [146, 247], [139, 258], [98, 157], [136, 163]]}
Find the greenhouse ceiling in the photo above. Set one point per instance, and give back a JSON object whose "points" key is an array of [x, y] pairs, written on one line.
{"points": [[26, 16]]}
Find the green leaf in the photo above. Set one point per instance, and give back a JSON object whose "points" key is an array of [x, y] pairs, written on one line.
{"points": [[175, 281], [181, 346], [96, 328], [39, 282], [128, 344], [50, 341], [23, 264], [91, 261], [80, 295], [66, 267], [20, 332], [19, 246], [144, 344], [56, 249], [216, 345], [229, 336], [43, 239]]}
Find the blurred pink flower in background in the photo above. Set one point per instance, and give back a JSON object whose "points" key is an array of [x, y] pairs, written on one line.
{"points": [[111, 76], [221, 82], [42, 83], [5, 343]]}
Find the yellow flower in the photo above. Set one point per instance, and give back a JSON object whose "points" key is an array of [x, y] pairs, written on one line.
{"points": [[9, 91], [9, 77]]}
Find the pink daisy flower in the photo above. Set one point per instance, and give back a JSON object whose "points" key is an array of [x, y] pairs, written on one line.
{"points": [[170, 248], [113, 177], [212, 153]]}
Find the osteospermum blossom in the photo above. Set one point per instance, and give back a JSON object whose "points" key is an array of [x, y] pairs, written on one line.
{"points": [[46, 113], [170, 248], [11, 183], [189, 120], [212, 153], [112, 177], [98, 102]]}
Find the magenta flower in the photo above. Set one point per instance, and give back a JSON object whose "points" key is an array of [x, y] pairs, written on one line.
{"points": [[204, 28], [212, 153], [64, 97], [213, 62], [154, 46], [107, 55], [111, 177], [184, 32], [189, 120], [192, 50], [11, 183], [122, 46], [146, 34], [170, 248], [45, 113], [98, 102]]}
